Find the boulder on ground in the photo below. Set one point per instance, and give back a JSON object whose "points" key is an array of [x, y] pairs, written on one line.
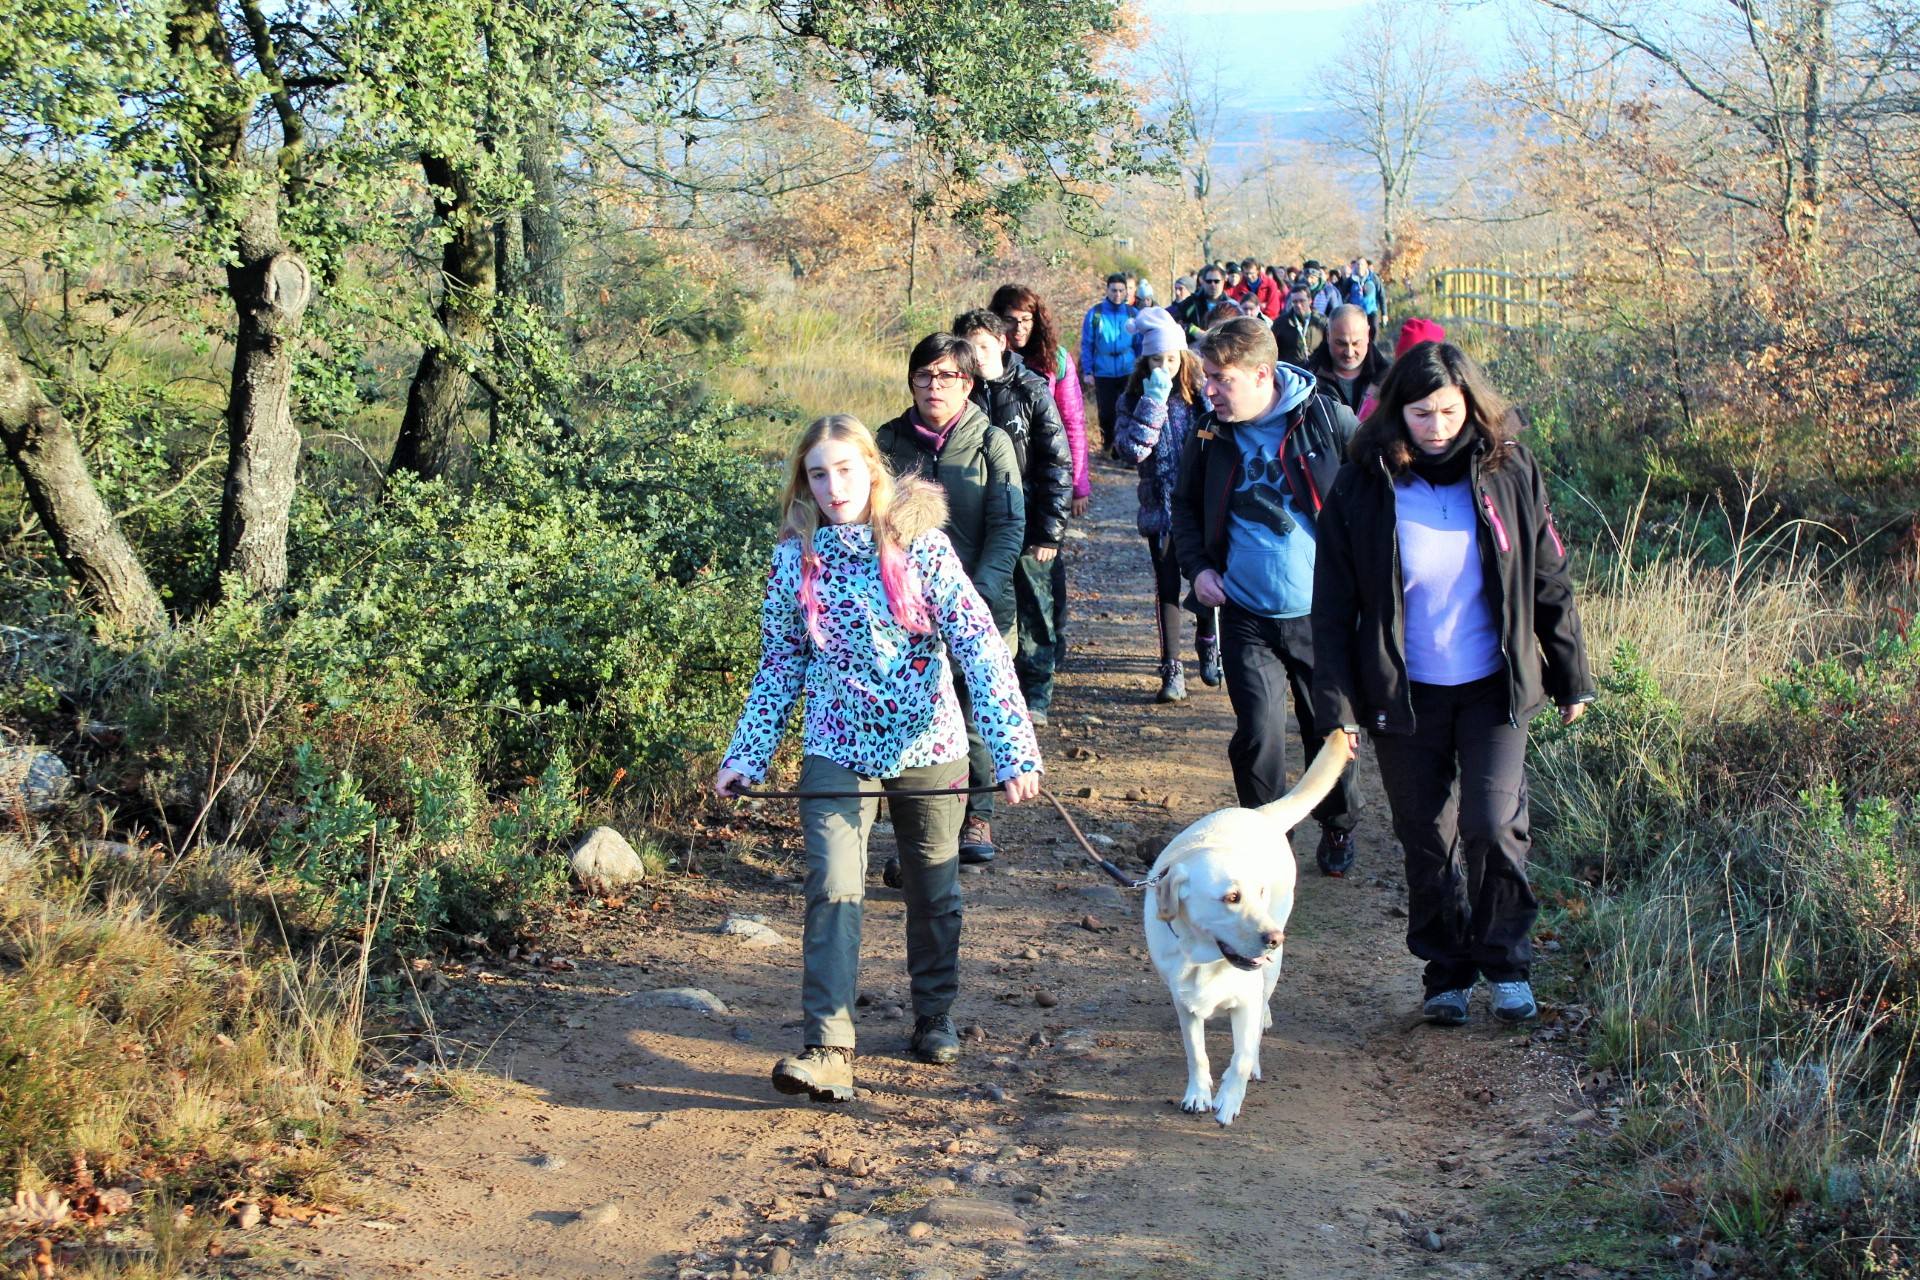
{"points": [[32, 778], [604, 860]]}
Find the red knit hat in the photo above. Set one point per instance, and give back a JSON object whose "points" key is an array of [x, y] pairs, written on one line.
{"points": [[1415, 331]]}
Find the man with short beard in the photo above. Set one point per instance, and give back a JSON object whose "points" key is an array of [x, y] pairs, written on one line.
{"points": [[1348, 364]]}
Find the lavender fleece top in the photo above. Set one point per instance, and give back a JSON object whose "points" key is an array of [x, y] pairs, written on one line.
{"points": [[1451, 635]]}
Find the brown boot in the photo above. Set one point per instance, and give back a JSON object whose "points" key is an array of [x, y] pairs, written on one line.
{"points": [[976, 842], [823, 1072]]}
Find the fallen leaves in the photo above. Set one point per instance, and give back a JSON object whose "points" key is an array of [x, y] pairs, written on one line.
{"points": [[36, 1210]]}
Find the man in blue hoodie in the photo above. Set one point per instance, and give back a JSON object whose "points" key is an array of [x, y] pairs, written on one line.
{"points": [[1107, 353], [1244, 512]]}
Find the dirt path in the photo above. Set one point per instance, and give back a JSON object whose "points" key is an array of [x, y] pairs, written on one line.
{"points": [[1370, 1132]]}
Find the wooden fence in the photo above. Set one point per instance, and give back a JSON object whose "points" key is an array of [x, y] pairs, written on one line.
{"points": [[1521, 294], [1497, 295]]}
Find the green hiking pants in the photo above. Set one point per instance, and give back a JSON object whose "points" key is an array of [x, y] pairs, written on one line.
{"points": [[927, 830]]}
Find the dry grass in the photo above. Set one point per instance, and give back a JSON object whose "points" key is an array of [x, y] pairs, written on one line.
{"points": [[1750, 970], [183, 1057]]}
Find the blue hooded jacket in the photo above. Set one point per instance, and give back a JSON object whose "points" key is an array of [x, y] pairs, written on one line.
{"points": [[1107, 350], [1270, 539]]}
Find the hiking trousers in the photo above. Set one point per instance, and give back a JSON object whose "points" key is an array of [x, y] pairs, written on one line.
{"points": [[1034, 658], [927, 830], [1106, 401], [1265, 658], [979, 759], [1458, 789]]}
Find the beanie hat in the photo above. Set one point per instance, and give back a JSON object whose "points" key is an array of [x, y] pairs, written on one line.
{"points": [[1415, 331], [1158, 332], [1184, 282], [1144, 292]]}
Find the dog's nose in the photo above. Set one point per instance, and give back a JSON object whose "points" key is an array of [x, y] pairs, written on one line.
{"points": [[1273, 938]]}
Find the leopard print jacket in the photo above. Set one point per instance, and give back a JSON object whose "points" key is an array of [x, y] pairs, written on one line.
{"points": [[879, 698]]}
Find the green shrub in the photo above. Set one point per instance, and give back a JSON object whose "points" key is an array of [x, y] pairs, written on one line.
{"points": [[403, 881]]}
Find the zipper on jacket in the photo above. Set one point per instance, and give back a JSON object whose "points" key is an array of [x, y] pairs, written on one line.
{"points": [[1499, 529], [1558, 546]]}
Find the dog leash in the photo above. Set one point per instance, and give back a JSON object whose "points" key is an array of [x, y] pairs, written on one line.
{"points": [[1118, 876]]}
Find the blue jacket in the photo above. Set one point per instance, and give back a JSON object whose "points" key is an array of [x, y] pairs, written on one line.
{"points": [[1107, 350]]}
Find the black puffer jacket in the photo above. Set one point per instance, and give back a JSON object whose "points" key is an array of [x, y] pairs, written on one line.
{"points": [[1020, 403], [1359, 607]]}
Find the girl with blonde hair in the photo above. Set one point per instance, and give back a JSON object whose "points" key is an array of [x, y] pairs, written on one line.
{"points": [[865, 601]]}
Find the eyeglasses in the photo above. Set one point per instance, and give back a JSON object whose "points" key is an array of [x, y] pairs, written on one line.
{"points": [[1212, 280], [926, 378]]}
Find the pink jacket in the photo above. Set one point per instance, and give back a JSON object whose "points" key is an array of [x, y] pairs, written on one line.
{"points": [[1072, 404]]}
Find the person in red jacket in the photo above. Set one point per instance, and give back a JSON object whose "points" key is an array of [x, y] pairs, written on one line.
{"points": [[1263, 288]]}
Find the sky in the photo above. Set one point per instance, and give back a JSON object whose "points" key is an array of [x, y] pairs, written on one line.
{"points": [[1266, 47]]}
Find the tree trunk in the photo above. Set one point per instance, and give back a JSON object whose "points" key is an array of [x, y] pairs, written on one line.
{"points": [[442, 385], [270, 287], [546, 233], [85, 534]]}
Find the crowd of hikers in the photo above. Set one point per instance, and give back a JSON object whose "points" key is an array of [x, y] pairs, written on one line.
{"points": [[1356, 533]]}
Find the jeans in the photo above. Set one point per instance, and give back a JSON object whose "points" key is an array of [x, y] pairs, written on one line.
{"points": [[1458, 789], [927, 829], [1264, 658]]}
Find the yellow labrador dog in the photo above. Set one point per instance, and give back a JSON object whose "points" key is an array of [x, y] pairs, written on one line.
{"points": [[1216, 920]]}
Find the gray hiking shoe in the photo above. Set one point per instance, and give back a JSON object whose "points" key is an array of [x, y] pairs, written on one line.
{"points": [[823, 1072], [935, 1040], [1513, 1001], [1447, 1008], [1211, 673], [1173, 684]]}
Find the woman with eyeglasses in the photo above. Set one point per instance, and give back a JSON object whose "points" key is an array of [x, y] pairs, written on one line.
{"points": [[945, 438]]}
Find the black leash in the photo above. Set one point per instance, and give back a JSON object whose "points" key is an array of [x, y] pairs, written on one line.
{"points": [[1119, 877]]}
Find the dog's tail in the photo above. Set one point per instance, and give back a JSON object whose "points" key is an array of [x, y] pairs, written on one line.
{"points": [[1319, 779]]}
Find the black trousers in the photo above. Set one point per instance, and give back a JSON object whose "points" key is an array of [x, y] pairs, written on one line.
{"points": [[1458, 789], [1106, 400], [1264, 657], [1166, 592]]}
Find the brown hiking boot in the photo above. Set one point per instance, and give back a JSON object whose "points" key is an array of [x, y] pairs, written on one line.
{"points": [[823, 1072], [976, 843]]}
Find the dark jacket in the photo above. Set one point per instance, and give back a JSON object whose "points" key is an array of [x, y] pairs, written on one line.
{"points": [[1299, 336], [1318, 432], [1020, 403], [1372, 369], [1359, 608], [986, 512], [1190, 313]]}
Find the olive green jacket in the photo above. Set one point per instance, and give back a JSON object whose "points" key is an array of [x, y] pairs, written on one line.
{"points": [[986, 505]]}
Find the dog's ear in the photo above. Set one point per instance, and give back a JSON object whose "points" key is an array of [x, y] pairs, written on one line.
{"points": [[1169, 891]]}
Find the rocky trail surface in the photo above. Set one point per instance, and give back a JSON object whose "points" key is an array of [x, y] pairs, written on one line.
{"points": [[603, 1128]]}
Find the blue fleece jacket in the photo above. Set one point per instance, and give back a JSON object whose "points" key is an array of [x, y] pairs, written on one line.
{"points": [[1270, 541]]}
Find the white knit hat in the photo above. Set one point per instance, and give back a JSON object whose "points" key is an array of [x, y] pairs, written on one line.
{"points": [[1159, 332]]}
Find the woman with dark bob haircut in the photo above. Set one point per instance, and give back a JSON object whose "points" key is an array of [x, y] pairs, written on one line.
{"points": [[1443, 619]]}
